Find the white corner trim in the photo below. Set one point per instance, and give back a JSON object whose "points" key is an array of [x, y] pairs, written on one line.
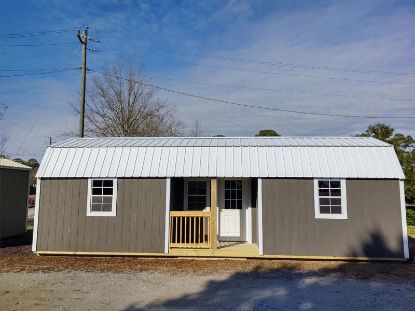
{"points": [[113, 213], [36, 220], [167, 228], [317, 213], [403, 216], [259, 219], [248, 224], [247, 208]]}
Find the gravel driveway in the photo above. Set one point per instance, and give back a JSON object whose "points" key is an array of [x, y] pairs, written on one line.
{"points": [[78, 290]]}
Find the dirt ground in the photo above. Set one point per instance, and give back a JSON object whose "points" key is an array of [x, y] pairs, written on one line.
{"points": [[35, 282], [78, 290]]}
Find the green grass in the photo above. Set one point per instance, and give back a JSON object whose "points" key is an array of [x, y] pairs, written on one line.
{"points": [[411, 231]]}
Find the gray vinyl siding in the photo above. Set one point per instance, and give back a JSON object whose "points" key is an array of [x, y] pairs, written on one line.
{"points": [[13, 201], [373, 227], [138, 226]]}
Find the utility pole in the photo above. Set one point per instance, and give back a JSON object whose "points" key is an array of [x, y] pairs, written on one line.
{"points": [[83, 39]]}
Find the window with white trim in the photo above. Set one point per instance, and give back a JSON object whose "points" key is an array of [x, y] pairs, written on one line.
{"points": [[330, 198], [102, 197]]}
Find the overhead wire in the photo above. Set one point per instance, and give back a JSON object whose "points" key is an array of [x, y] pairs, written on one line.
{"points": [[53, 70], [39, 73], [283, 90], [40, 111], [39, 44], [35, 34], [304, 66], [252, 106], [284, 64], [32, 69], [288, 74]]}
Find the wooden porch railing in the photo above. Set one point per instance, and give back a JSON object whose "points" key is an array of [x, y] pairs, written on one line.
{"points": [[190, 229]]}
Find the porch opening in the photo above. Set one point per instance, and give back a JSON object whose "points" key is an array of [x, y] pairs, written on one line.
{"points": [[213, 214]]}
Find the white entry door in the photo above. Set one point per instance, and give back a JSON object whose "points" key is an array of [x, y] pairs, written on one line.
{"points": [[231, 211]]}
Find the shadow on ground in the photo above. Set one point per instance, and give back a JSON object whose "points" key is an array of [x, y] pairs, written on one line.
{"points": [[279, 290], [289, 288]]}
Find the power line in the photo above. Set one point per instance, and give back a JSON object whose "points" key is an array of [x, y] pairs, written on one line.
{"points": [[290, 74], [40, 44], [35, 34], [29, 131], [287, 64], [284, 91], [244, 87], [32, 69], [253, 106], [283, 64], [39, 73], [49, 71]]}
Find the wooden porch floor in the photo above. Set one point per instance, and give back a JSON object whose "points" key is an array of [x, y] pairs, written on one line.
{"points": [[225, 249]]}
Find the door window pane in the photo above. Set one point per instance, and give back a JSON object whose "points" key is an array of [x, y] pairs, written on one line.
{"points": [[233, 194]]}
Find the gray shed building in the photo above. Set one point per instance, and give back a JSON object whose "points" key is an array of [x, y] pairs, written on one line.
{"points": [[14, 186], [282, 197]]}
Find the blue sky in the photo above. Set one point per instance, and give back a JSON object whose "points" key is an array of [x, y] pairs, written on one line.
{"points": [[175, 40]]}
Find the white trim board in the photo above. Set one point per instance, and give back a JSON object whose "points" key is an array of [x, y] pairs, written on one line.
{"points": [[36, 220], [404, 224], [167, 224], [259, 219], [248, 209]]}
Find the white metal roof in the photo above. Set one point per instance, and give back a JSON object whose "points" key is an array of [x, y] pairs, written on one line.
{"points": [[294, 157], [6, 163], [220, 142]]}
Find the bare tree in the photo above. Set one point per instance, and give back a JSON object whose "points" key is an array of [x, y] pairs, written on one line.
{"points": [[3, 139], [119, 106], [3, 109], [196, 130]]}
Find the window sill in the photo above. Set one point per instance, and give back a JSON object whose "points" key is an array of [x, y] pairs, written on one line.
{"points": [[101, 214], [331, 217]]}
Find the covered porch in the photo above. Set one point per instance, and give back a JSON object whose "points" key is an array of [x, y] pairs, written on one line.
{"points": [[212, 217]]}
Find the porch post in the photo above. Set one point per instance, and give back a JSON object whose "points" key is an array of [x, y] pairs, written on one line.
{"points": [[213, 212], [260, 219], [167, 217]]}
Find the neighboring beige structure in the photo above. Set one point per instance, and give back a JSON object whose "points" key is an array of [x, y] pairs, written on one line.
{"points": [[289, 197], [14, 186]]}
